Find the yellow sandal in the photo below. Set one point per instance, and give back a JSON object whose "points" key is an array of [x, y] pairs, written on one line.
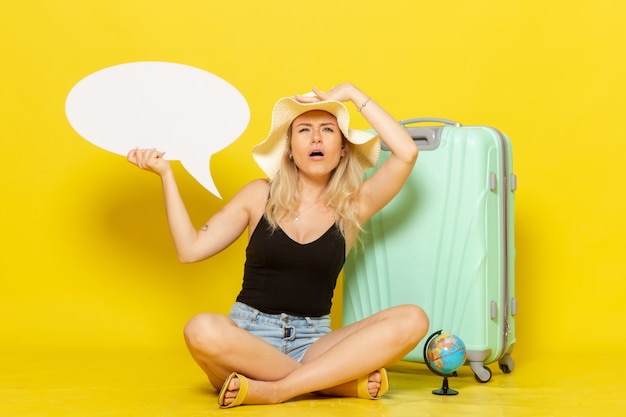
{"points": [[363, 392], [241, 395]]}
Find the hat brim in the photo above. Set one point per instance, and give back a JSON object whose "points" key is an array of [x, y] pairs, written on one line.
{"points": [[268, 153]]}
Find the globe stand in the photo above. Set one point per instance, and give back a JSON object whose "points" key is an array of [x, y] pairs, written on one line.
{"points": [[445, 389]]}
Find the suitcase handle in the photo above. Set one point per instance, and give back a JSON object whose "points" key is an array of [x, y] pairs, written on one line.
{"points": [[425, 137], [430, 120]]}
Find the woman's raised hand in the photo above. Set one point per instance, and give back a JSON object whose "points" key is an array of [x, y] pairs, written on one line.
{"points": [[149, 159], [343, 92]]}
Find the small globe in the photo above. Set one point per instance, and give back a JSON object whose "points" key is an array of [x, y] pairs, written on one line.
{"points": [[445, 353]]}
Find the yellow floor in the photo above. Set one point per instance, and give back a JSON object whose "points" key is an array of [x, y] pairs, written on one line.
{"points": [[169, 384]]}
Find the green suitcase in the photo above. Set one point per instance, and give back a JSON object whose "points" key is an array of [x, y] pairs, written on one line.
{"points": [[446, 243]]}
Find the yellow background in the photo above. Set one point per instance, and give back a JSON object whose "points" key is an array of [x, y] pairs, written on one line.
{"points": [[86, 259]]}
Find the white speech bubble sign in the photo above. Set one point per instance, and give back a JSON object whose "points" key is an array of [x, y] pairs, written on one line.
{"points": [[184, 111]]}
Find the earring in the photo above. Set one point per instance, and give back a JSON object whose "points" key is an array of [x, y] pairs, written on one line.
{"points": [[290, 156]]}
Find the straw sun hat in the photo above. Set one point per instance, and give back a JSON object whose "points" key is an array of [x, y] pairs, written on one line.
{"points": [[268, 154]]}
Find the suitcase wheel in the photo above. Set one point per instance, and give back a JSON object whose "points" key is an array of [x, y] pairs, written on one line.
{"points": [[506, 364], [481, 372]]}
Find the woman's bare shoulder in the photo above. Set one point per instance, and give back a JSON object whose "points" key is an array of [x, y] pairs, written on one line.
{"points": [[253, 195], [256, 188]]}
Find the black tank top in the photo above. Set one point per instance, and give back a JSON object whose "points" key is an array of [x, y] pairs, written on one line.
{"points": [[284, 276]]}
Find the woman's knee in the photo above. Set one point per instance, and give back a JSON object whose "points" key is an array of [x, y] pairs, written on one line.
{"points": [[413, 320], [204, 332]]}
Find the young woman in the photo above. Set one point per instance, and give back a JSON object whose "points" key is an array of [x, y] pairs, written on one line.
{"points": [[302, 220]]}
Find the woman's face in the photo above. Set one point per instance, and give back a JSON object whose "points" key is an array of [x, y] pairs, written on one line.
{"points": [[316, 142]]}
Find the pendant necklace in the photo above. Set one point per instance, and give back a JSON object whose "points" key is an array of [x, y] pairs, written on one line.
{"points": [[297, 218]]}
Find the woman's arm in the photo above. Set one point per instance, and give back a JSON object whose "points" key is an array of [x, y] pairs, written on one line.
{"points": [[390, 176], [219, 232]]}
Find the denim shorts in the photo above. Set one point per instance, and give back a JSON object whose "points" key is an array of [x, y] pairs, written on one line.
{"points": [[291, 335]]}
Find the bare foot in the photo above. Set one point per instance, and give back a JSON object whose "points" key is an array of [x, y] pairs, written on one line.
{"points": [[250, 391], [374, 383], [351, 389], [232, 391]]}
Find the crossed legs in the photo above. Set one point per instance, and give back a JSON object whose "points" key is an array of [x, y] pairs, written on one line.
{"points": [[331, 366]]}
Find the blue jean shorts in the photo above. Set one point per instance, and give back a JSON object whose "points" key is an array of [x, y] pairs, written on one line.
{"points": [[291, 335]]}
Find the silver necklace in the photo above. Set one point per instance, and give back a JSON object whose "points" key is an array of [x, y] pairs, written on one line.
{"points": [[297, 218]]}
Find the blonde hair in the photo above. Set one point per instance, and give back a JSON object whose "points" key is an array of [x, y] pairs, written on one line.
{"points": [[340, 194]]}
